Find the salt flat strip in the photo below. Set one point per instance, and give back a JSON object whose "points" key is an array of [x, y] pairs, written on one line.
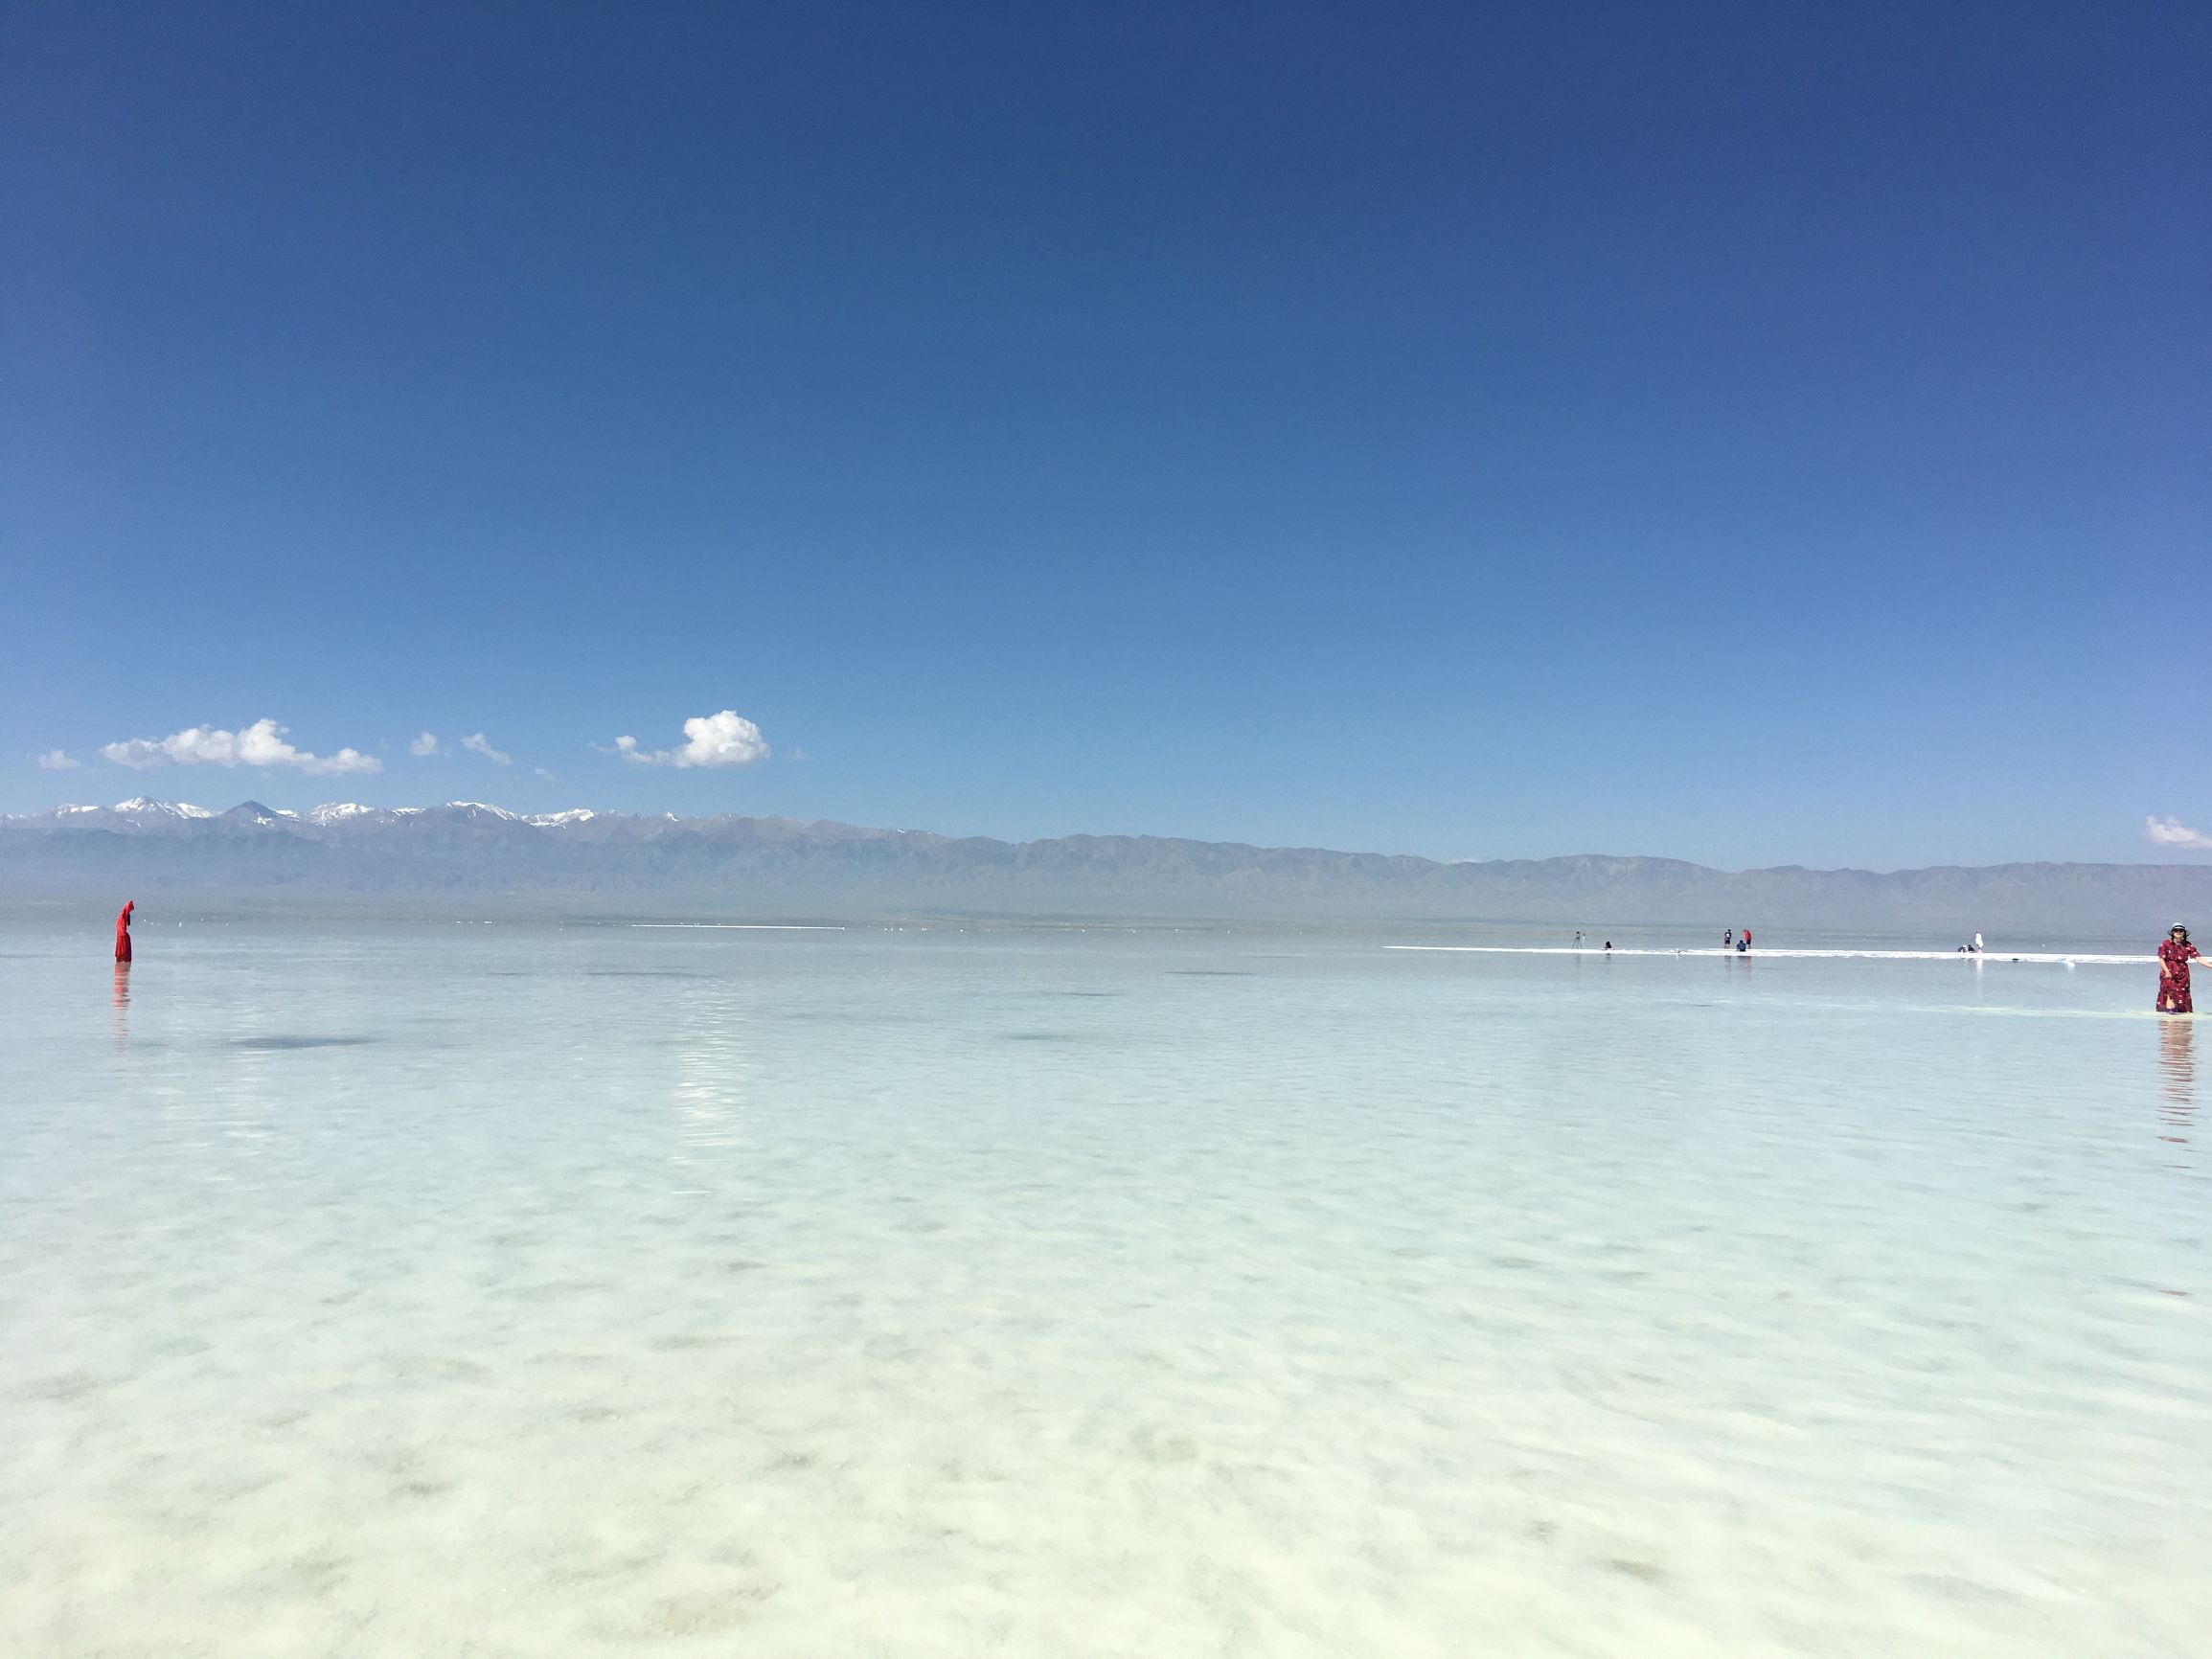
{"points": [[1769, 955]]}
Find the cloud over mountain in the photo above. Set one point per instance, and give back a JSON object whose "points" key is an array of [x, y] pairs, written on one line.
{"points": [[477, 745], [55, 760], [260, 744], [2173, 832], [724, 739]]}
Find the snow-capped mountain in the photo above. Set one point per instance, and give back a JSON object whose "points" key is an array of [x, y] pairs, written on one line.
{"points": [[328, 822], [253, 812], [139, 815], [144, 808]]}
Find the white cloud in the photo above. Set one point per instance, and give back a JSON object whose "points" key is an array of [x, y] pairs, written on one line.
{"points": [[2173, 832], [55, 760], [547, 776], [724, 739], [260, 745], [425, 745], [476, 744]]}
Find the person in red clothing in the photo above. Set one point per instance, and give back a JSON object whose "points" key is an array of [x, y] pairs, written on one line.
{"points": [[2173, 971], [123, 931]]}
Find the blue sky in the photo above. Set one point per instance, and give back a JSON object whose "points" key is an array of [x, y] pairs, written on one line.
{"points": [[1752, 434]]}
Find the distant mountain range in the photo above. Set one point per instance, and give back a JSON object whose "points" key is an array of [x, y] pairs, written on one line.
{"points": [[466, 854]]}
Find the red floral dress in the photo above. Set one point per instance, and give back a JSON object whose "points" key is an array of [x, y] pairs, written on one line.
{"points": [[2174, 976]]}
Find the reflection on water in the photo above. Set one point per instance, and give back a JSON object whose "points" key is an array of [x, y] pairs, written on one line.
{"points": [[1296, 1300], [122, 1002], [710, 1092], [2177, 1077]]}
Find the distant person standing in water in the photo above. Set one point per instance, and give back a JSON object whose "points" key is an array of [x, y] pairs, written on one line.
{"points": [[1743, 944], [123, 930], [2174, 957], [1728, 940]]}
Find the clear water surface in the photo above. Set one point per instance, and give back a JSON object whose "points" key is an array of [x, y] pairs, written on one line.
{"points": [[591, 1291]]}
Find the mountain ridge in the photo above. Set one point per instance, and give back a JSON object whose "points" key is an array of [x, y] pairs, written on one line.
{"points": [[583, 860]]}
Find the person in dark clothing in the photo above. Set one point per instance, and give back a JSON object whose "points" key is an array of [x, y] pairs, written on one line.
{"points": [[2174, 959]]}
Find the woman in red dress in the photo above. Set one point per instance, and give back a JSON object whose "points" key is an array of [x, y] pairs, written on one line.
{"points": [[2173, 971], [123, 931]]}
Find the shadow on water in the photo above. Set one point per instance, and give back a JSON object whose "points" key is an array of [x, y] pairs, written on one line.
{"points": [[593, 973], [2177, 1077], [300, 1042]]}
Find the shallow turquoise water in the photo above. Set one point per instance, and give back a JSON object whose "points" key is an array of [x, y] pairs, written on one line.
{"points": [[520, 1291]]}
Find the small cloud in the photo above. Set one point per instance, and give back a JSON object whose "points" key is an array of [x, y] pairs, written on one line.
{"points": [[260, 744], [547, 776], [55, 760], [476, 744], [425, 745], [2173, 832], [798, 755], [724, 739]]}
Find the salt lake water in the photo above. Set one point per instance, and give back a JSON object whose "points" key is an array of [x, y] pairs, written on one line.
{"points": [[536, 1290]]}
